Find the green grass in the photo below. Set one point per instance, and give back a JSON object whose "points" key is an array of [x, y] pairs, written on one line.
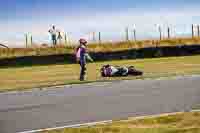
{"points": [[104, 47], [43, 76], [177, 123]]}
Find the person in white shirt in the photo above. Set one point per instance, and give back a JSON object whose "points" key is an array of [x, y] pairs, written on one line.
{"points": [[53, 33]]}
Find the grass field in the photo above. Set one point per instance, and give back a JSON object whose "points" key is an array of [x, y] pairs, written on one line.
{"points": [[104, 47], [43, 76], [177, 123]]}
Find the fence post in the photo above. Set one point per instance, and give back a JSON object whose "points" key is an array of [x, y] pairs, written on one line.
{"points": [[127, 34], [168, 30], [26, 39], [93, 36], [160, 31], [99, 37], [192, 30], [134, 33], [65, 39], [31, 40]]}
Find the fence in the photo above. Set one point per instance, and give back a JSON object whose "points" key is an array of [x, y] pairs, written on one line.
{"points": [[129, 34]]}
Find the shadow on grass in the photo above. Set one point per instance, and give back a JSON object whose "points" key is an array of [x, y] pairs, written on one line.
{"points": [[36, 61], [151, 52]]}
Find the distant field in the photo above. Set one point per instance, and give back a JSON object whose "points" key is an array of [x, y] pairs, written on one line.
{"points": [[104, 47], [178, 123], [51, 75]]}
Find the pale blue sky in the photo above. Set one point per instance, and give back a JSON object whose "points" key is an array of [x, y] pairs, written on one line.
{"points": [[80, 17]]}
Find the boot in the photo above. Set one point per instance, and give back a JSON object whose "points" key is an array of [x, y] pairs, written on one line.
{"points": [[82, 78]]}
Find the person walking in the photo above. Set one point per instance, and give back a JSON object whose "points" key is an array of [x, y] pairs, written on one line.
{"points": [[81, 57], [53, 33]]}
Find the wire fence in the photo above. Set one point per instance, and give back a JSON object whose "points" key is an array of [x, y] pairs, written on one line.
{"points": [[128, 34]]}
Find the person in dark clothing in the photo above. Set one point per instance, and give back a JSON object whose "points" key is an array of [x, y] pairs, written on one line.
{"points": [[81, 57], [59, 37]]}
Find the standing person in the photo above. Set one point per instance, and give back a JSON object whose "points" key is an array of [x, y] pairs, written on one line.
{"points": [[53, 33], [81, 57], [59, 37]]}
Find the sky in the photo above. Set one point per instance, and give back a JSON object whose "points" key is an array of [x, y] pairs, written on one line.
{"points": [[79, 18]]}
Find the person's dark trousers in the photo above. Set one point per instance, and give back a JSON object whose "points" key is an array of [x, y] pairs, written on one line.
{"points": [[54, 40], [83, 71]]}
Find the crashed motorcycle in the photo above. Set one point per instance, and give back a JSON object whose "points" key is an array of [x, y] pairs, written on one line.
{"points": [[117, 71]]}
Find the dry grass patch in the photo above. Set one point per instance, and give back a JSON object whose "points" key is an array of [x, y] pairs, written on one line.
{"points": [[96, 47], [179, 123]]}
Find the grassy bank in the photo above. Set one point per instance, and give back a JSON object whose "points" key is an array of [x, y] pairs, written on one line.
{"points": [[21, 52], [178, 123], [104, 47], [42, 76]]}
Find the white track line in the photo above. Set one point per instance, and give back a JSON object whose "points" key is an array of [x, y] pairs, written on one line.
{"points": [[96, 123], [152, 116], [104, 122], [196, 110], [69, 126]]}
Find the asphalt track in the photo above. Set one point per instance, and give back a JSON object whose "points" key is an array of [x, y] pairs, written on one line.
{"points": [[76, 104]]}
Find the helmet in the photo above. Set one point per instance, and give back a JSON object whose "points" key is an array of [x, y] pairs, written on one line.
{"points": [[82, 41]]}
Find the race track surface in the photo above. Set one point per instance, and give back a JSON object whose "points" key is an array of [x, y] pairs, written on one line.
{"points": [[77, 104]]}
